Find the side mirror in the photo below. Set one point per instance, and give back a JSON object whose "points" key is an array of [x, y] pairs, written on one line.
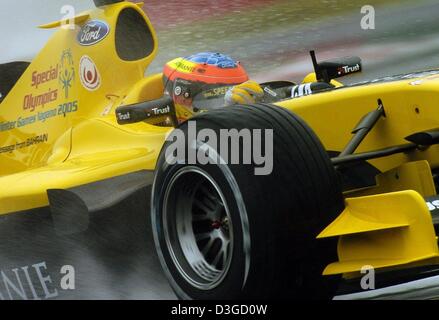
{"points": [[153, 112], [336, 68]]}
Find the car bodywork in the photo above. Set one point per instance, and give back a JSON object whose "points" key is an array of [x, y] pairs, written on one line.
{"points": [[377, 228], [59, 133]]}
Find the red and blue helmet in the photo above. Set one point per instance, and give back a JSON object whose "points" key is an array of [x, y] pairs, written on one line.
{"points": [[200, 81]]}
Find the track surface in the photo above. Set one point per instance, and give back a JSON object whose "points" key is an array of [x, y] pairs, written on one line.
{"points": [[114, 259]]}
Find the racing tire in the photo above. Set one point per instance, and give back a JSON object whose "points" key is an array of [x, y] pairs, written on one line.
{"points": [[222, 232]]}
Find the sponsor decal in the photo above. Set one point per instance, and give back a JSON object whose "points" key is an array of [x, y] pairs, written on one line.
{"points": [[67, 71], [32, 102], [216, 92], [270, 92], [301, 90], [186, 67], [161, 111], [124, 116], [45, 76], [432, 205], [7, 125], [178, 91], [89, 74], [64, 72], [61, 110], [349, 69], [65, 108], [157, 111], [93, 32], [22, 122], [182, 65], [42, 138]]}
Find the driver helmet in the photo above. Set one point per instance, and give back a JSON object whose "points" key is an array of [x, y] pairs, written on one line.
{"points": [[199, 82]]}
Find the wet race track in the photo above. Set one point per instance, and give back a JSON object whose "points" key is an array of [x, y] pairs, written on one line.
{"points": [[115, 258]]}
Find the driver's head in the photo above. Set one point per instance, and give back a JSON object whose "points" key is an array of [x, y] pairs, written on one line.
{"points": [[199, 82]]}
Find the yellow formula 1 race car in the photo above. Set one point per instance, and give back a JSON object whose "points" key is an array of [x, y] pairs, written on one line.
{"points": [[330, 191]]}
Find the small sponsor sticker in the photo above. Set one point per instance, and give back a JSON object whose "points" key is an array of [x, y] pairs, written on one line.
{"points": [[67, 71], [89, 74], [301, 90], [177, 90], [93, 32], [348, 69]]}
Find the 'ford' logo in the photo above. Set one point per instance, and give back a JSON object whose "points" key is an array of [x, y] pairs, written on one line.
{"points": [[93, 32]]}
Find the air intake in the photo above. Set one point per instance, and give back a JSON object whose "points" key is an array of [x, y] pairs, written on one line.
{"points": [[99, 3]]}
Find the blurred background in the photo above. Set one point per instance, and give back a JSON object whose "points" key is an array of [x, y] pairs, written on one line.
{"points": [[272, 38]]}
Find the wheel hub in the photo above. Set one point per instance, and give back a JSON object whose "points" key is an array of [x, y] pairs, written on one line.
{"points": [[197, 228]]}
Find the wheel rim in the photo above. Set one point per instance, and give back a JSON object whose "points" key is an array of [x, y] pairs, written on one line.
{"points": [[198, 228]]}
